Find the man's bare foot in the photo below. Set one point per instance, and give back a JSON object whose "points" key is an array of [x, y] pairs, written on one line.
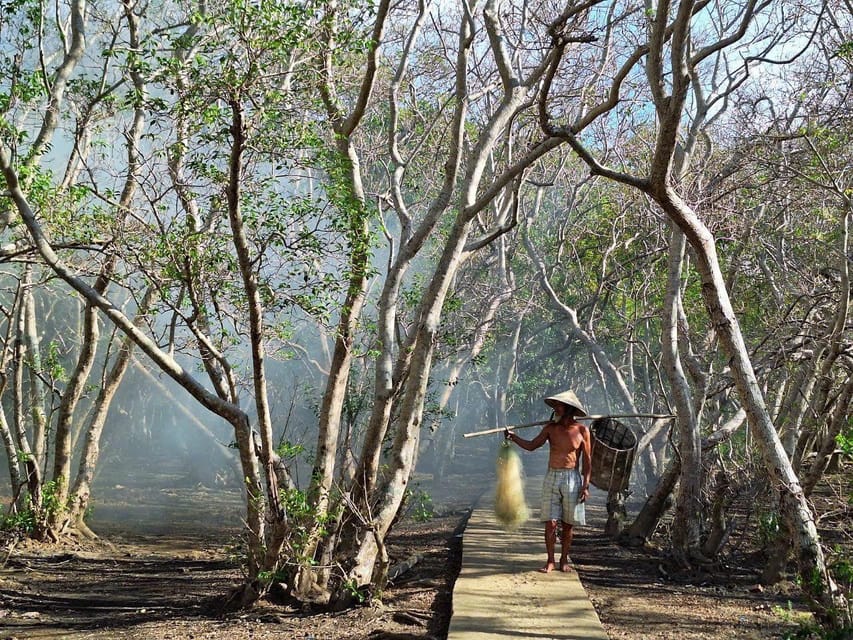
{"points": [[565, 566], [548, 567]]}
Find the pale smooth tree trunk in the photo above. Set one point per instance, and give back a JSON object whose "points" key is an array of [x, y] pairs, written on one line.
{"points": [[334, 396], [278, 526], [34, 366], [80, 493], [227, 410], [816, 580], [358, 236], [836, 343], [25, 449], [68, 404], [686, 524], [362, 542], [9, 438], [394, 359], [65, 421], [366, 552], [16, 480]]}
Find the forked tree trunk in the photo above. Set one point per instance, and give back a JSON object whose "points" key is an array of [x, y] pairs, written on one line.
{"points": [[349, 180], [795, 404], [89, 456], [375, 504], [816, 581], [238, 419], [362, 549]]}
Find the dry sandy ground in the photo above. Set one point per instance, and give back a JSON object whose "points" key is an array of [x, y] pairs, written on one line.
{"points": [[164, 577]]}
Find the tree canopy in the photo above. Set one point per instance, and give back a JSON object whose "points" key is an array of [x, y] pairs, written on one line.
{"points": [[421, 216]]}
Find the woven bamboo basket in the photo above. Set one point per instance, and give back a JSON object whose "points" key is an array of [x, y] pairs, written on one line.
{"points": [[613, 447]]}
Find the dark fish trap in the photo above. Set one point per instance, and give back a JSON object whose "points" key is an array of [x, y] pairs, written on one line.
{"points": [[613, 447]]}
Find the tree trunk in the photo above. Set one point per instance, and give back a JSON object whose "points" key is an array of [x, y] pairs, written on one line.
{"points": [[227, 410], [16, 481], [839, 420], [71, 395], [720, 528], [8, 437], [24, 451], [654, 507], [657, 504], [363, 549], [334, 395], [686, 525], [34, 366], [348, 178], [817, 582], [90, 454]]}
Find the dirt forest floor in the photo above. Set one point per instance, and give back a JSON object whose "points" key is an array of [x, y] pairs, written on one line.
{"points": [[161, 574]]}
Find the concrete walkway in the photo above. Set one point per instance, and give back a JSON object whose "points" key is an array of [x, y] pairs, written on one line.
{"points": [[500, 593]]}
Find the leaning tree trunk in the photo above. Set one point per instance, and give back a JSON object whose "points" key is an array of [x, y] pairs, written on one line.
{"points": [[364, 544], [838, 421], [657, 504], [816, 580], [235, 416]]}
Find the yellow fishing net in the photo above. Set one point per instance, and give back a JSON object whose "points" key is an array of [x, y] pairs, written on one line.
{"points": [[510, 504]]}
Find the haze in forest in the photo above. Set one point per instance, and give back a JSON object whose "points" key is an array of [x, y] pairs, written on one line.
{"points": [[335, 238]]}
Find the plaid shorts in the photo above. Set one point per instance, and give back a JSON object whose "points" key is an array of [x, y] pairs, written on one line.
{"points": [[560, 497]]}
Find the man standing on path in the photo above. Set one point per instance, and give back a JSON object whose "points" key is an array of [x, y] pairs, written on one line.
{"points": [[564, 490]]}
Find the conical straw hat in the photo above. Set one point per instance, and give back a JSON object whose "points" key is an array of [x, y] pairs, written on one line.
{"points": [[566, 397]]}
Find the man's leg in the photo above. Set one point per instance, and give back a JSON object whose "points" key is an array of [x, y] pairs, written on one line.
{"points": [[550, 507], [566, 544], [550, 540]]}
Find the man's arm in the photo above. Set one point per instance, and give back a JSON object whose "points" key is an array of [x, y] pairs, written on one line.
{"points": [[586, 453], [530, 445]]}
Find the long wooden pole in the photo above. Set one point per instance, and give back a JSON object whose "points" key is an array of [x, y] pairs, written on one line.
{"points": [[541, 422]]}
